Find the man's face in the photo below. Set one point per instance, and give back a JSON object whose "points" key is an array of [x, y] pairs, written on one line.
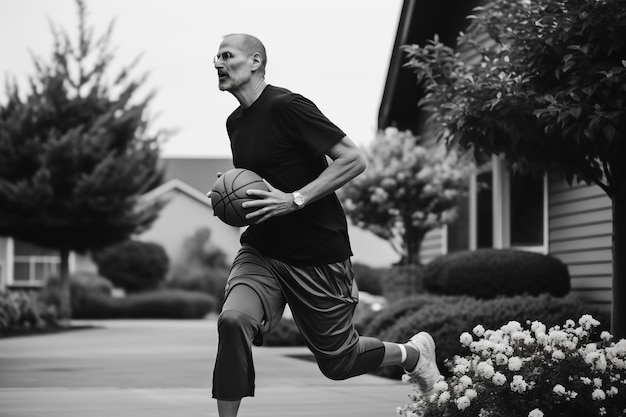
{"points": [[233, 65]]}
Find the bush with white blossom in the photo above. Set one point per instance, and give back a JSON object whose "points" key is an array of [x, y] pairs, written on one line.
{"points": [[531, 372], [407, 190]]}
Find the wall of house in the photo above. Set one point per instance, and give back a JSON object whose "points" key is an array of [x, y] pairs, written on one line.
{"points": [[181, 218], [3, 260], [432, 246], [580, 228]]}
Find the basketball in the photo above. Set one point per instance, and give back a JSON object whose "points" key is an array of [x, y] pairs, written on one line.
{"points": [[229, 192]]}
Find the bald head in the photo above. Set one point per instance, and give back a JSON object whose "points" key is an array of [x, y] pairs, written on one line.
{"points": [[250, 45]]}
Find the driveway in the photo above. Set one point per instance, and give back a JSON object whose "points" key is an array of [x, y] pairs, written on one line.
{"points": [[135, 368]]}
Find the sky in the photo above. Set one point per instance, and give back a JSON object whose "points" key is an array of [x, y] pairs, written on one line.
{"points": [[335, 52]]}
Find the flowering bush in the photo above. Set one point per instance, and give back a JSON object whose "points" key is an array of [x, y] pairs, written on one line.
{"points": [[407, 190], [517, 372]]}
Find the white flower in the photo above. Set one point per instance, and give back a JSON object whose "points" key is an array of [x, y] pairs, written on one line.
{"points": [[462, 402], [444, 397], [585, 380], [587, 321], [558, 355], [598, 394], [441, 386], [597, 382], [479, 330], [536, 413], [471, 393], [501, 359], [485, 370], [612, 392], [557, 336], [518, 384], [498, 379], [515, 364], [466, 381], [606, 336], [466, 339], [559, 389], [512, 327]]}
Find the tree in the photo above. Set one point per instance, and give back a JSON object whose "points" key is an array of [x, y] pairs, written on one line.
{"points": [[547, 89], [75, 155], [406, 191]]}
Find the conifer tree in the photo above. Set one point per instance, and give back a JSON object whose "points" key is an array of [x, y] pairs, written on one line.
{"points": [[75, 152]]}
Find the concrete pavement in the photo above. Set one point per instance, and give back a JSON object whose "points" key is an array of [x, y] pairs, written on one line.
{"points": [[163, 368]]}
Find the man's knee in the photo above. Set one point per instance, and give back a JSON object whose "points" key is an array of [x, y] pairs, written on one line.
{"points": [[337, 368], [232, 322]]}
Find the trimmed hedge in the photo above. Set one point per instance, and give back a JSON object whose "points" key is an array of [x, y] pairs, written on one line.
{"points": [[446, 318], [488, 273], [158, 304], [402, 281], [286, 333], [133, 265], [376, 322], [368, 279]]}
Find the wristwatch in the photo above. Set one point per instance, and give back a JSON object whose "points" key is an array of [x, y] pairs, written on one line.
{"points": [[298, 199]]}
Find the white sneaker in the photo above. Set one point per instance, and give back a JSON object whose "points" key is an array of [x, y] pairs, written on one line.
{"points": [[426, 373]]}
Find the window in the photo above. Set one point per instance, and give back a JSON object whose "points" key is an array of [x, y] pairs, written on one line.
{"points": [[503, 210], [526, 211], [32, 264]]}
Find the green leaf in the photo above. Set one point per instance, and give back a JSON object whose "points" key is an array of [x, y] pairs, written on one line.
{"points": [[609, 132]]}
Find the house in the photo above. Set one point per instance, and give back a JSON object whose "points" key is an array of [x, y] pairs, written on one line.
{"points": [[545, 215], [187, 211]]}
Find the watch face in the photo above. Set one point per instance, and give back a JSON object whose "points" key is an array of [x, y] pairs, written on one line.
{"points": [[298, 199]]}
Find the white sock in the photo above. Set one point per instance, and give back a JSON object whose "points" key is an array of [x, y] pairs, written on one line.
{"points": [[403, 352]]}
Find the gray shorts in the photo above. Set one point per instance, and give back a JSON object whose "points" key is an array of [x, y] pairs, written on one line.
{"points": [[322, 299]]}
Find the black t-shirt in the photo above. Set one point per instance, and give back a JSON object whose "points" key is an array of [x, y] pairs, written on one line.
{"points": [[283, 137]]}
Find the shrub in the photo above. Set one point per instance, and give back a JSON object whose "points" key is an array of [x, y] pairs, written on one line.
{"points": [[531, 372], [286, 333], [133, 265], [488, 273], [22, 310], [376, 322], [195, 277], [203, 267], [402, 281], [369, 279], [158, 304], [81, 285], [447, 317]]}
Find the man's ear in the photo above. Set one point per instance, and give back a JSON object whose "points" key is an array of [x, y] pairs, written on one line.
{"points": [[257, 61]]}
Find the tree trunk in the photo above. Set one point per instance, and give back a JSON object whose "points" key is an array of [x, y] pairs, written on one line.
{"points": [[65, 306], [414, 240], [618, 316]]}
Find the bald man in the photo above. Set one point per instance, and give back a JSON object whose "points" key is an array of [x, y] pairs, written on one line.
{"points": [[298, 251]]}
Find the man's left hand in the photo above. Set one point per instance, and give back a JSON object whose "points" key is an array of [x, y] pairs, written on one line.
{"points": [[269, 203]]}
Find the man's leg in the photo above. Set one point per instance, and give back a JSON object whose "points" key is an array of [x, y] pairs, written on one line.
{"points": [[241, 314], [395, 356]]}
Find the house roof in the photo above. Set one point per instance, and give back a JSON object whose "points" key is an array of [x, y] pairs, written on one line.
{"points": [[180, 186], [199, 173], [419, 22]]}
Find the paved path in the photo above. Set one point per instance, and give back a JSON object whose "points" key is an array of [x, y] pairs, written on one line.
{"points": [[163, 368]]}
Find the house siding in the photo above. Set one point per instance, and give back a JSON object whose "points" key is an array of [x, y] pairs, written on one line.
{"points": [[580, 228], [432, 246], [3, 260]]}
